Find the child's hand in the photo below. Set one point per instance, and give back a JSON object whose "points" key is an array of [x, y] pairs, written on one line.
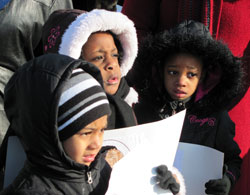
{"points": [[112, 156], [219, 186], [167, 180]]}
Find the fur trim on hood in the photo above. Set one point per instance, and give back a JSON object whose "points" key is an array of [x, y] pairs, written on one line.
{"points": [[132, 97], [223, 72], [66, 31]]}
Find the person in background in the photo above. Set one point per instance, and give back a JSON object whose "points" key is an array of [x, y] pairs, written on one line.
{"points": [[185, 68], [228, 21]]}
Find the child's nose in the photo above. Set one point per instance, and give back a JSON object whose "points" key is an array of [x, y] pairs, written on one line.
{"points": [[96, 141], [181, 81], [109, 67], [110, 63]]}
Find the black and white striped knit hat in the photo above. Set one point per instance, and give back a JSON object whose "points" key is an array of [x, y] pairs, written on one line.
{"points": [[82, 101]]}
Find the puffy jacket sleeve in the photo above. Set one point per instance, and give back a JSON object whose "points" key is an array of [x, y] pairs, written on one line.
{"points": [[225, 142]]}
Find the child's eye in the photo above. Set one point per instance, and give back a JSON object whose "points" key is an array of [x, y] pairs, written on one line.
{"points": [[172, 72], [115, 55], [86, 133], [191, 75], [97, 58]]}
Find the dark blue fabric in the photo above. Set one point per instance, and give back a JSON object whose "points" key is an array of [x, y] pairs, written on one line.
{"points": [[3, 3]]}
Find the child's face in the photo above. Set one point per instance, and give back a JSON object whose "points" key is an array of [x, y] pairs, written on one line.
{"points": [[86, 143], [182, 74], [100, 50]]}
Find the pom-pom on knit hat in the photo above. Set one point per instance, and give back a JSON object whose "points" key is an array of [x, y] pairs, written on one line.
{"points": [[82, 101], [66, 31]]}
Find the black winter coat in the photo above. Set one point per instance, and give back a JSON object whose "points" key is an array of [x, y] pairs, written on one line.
{"points": [[214, 130], [33, 118], [207, 121]]}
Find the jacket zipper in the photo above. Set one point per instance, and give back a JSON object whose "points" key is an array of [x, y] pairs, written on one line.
{"points": [[89, 175]]}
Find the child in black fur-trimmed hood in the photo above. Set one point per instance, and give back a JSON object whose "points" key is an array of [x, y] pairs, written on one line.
{"points": [[185, 68], [108, 40]]}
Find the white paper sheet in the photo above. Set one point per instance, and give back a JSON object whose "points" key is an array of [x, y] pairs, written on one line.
{"points": [[198, 164], [145, 147]]}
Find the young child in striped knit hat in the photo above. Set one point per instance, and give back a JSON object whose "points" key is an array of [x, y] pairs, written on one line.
{"points": [[59, 117]]}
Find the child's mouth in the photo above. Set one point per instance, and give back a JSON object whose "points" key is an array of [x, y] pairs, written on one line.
{"points": [[112, 80], [89, 158], [179, 94]]}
